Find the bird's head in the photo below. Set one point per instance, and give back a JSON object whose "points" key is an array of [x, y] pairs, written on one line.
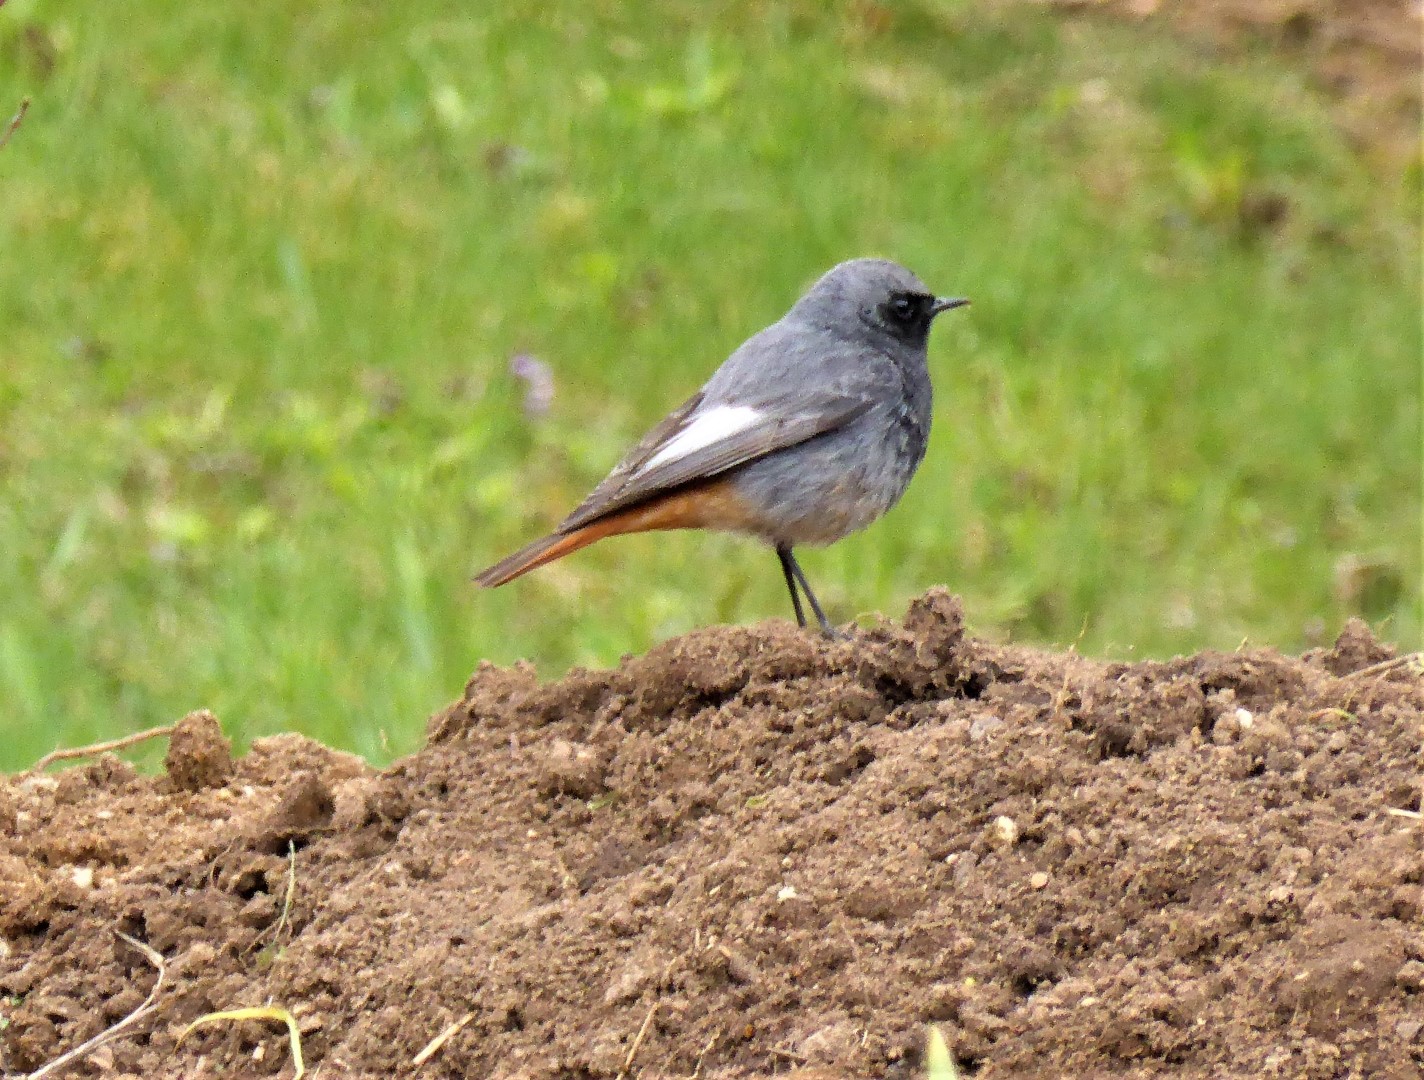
{"points": [[873, 296]]}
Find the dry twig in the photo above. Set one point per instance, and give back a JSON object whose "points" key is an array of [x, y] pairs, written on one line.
{"points": [[433, 1046], [291, 890], [17, 119], [1384, 665], [270, 950], [71, 752], [637, 1042], [111, 1032], [711, 1042]]}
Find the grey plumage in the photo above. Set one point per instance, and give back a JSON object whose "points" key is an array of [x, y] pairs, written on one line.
{"points": [[833, 380], [836, 340], [817, 422]]}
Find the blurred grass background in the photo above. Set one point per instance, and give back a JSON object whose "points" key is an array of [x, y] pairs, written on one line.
{"points": [[265, 268]]}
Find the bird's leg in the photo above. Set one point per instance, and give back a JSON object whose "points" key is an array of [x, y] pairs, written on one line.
{"points": [[789, 563], [791, 570]]}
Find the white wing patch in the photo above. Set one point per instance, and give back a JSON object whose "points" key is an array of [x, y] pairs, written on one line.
{"points": [[707, 429]]}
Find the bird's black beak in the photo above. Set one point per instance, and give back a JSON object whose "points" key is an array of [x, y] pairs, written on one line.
{"points": [[945, 303]]}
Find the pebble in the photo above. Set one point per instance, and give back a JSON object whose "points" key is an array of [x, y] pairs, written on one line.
{"points": [[1005, 830], [984, 726]]}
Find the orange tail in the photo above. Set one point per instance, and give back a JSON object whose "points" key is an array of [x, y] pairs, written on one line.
{"points": [[708, 506], [532, 556]]}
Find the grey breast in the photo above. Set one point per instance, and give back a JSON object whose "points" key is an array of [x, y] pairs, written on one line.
{"points": [[820, 490]]}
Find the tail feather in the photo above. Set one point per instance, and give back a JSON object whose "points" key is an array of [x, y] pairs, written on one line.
{"points": [[532, 556], [715, 505]]}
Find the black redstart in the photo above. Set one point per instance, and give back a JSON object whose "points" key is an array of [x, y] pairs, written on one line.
{"points": [[809, 431]]}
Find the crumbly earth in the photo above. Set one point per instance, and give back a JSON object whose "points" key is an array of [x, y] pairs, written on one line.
{"points": [[751, 852], [1366, 54]]}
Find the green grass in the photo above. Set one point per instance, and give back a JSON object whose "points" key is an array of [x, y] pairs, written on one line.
{"points": [[264, 269]]}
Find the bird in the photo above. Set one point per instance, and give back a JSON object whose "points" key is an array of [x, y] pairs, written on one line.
{"points": [[808, 432]]}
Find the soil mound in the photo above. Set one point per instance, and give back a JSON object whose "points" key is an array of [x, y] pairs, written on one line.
{"points": [[751, 852]]}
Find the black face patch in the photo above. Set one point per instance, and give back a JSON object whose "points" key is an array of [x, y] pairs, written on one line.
{"points": [[906, 312]]}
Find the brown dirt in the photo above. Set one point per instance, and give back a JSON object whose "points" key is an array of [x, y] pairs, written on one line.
{"points": [[1367, 54], [769, 853]]}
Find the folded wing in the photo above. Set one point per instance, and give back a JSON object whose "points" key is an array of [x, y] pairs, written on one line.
{"points": [[698, 442]]}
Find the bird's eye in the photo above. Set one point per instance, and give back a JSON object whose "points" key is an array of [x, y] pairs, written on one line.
{"points": [[903, 308]]}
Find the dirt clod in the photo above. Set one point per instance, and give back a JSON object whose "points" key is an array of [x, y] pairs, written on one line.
{"points": [[199, 755], [571, 770], [1356, 649]]}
